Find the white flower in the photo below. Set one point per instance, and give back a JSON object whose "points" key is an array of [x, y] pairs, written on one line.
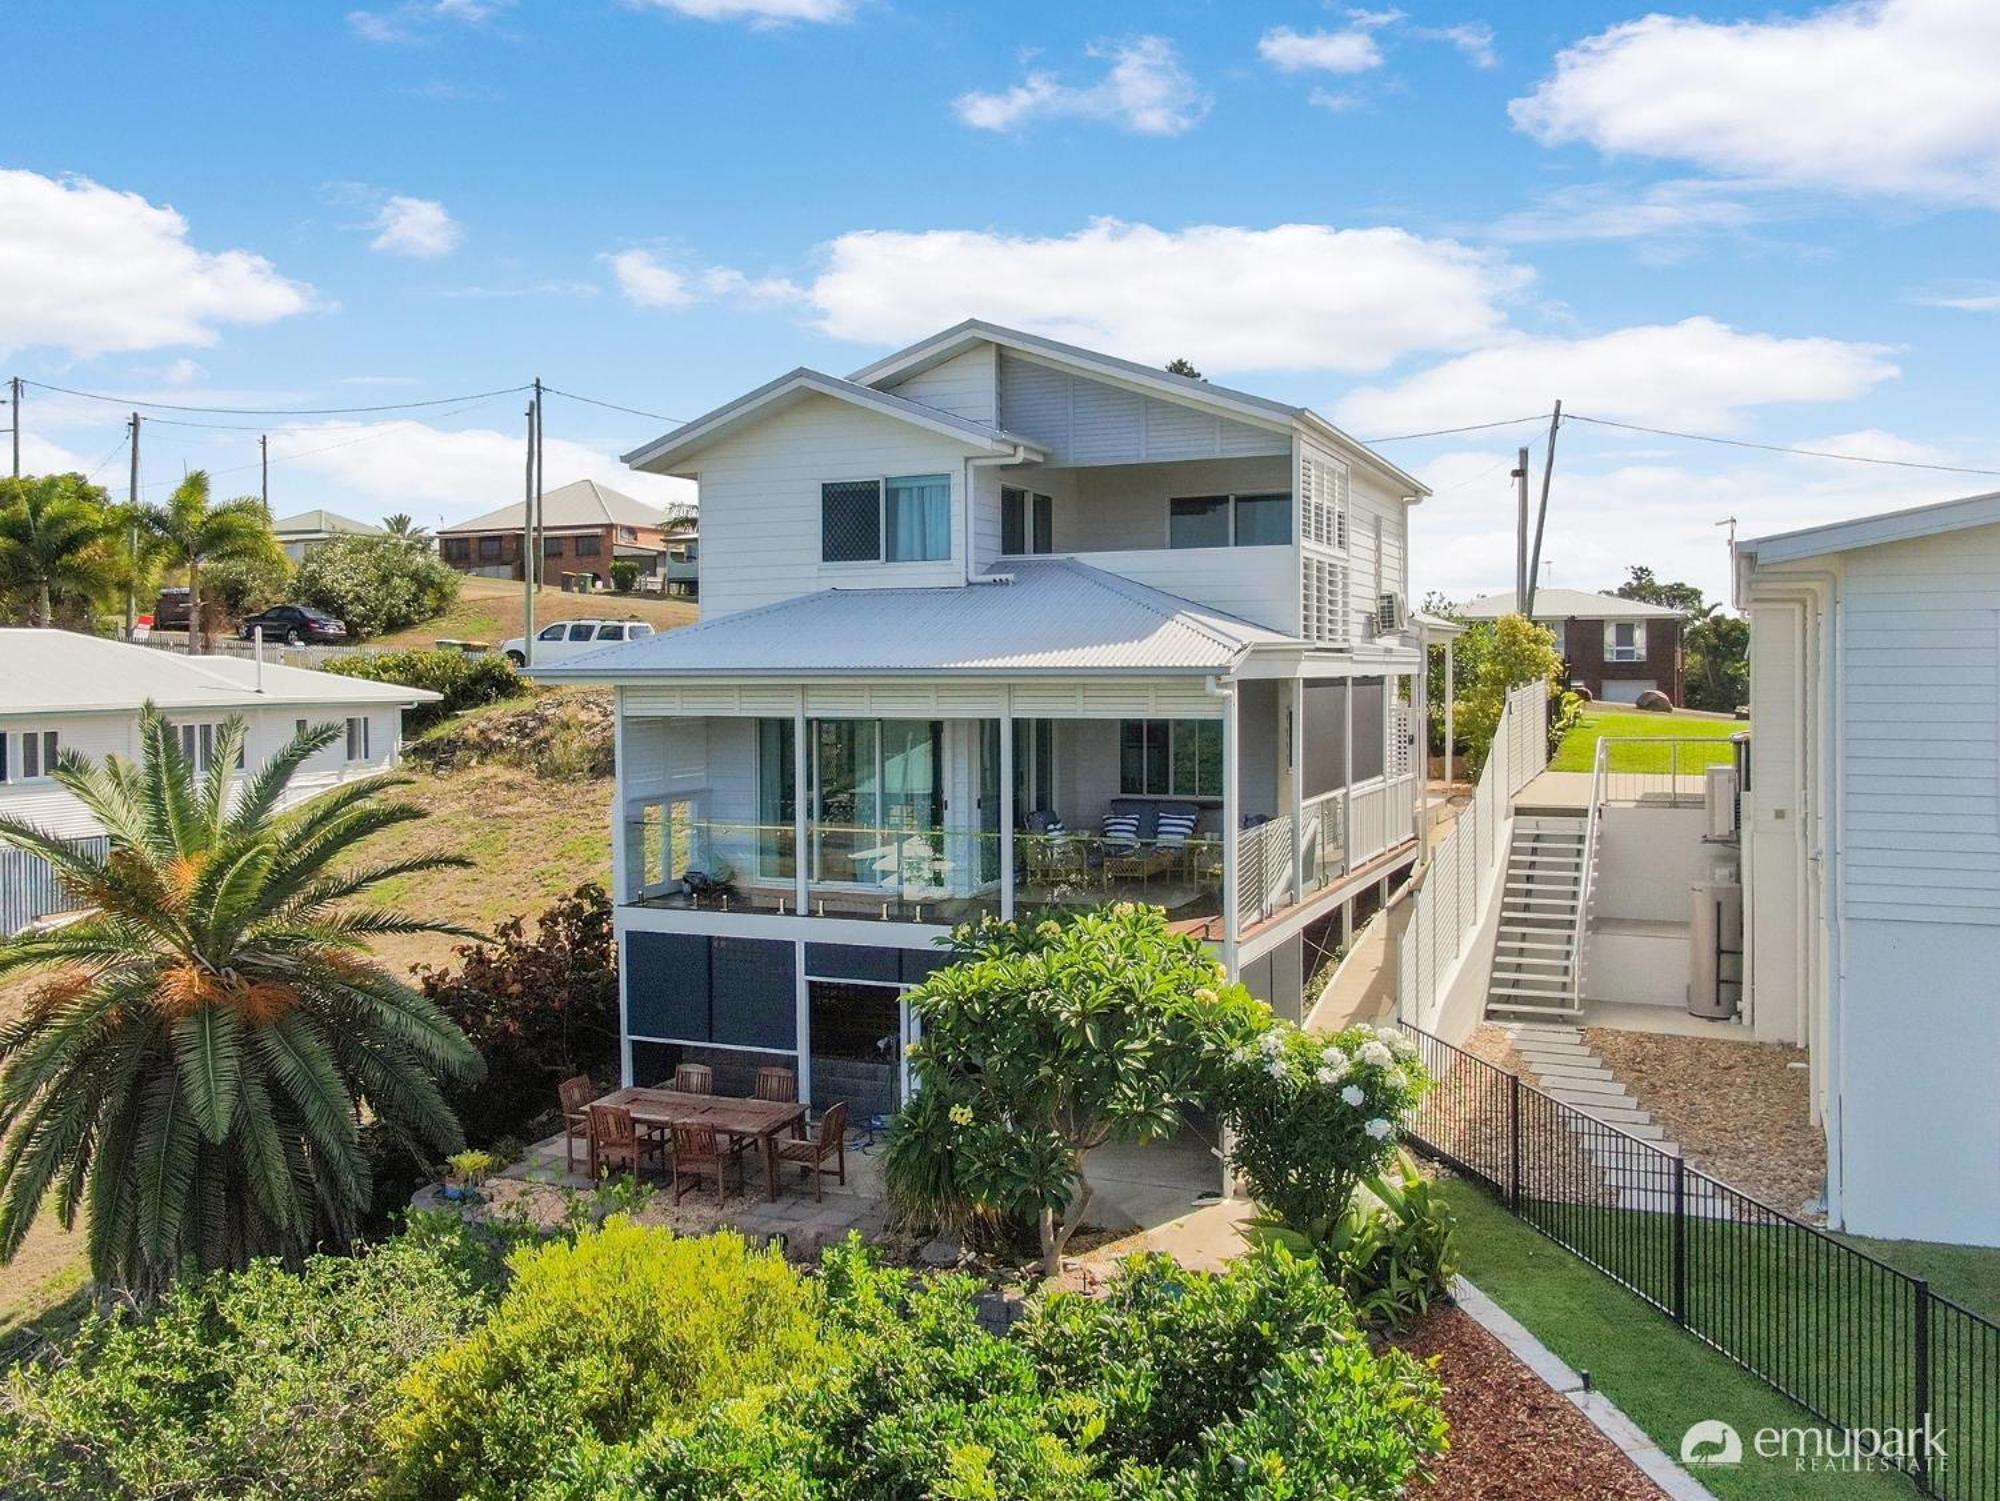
{"points": [[1242, 1055], [1328, 1074], [1401, 1045], [1376, 1055], [1272, 1043], [1277, 1068], [1354, 1094], [1205, 995], [1377, 1128]]}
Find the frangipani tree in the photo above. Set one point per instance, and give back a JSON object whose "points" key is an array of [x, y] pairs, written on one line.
{"points": [[1042, 1042], [194, 1065]]}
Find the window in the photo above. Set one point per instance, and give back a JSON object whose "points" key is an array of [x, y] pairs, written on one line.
{"points": [[611, 633], [1229, 521], [298, 726], [582, 632], [1625, 641], [896, 520], [1027, 522], [198, 743], [357, 738], [552, 633], [38, 754], [628, 534], [457, 549], [490, 549], [1170, 757], [589, 547], [551, 547]]}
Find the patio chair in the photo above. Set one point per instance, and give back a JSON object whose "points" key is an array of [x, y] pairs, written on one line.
{"points": [[693, 1078], [777, 1084], [617, 1142], [695, 1150], [574, 1095], [810, 1152]]}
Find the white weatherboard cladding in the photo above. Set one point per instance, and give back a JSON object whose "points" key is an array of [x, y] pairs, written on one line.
{"points": [[1103, 698], [1255, 583], [760, 503], [1077, 420], [966, 385]]}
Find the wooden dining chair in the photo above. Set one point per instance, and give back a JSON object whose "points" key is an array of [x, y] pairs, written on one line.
{"points": [[693, 1078], [574, 1097], [616, 1142], [810, 1152], [780, 1085], [698, 1150]]}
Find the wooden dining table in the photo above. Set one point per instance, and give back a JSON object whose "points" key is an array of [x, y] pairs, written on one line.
{"points": [[741, 1119]]}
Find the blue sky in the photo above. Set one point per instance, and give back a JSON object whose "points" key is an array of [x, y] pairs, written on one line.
{"points": [[1772, 225]]}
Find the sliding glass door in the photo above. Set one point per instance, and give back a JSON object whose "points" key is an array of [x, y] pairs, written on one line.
{"points": [[874, 797]]}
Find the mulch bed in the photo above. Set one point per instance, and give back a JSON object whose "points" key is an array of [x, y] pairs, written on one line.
{"points": [[1738, 1109], [1512, 1437]]}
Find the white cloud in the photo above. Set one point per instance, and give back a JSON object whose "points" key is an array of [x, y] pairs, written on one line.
{"points": [[1351, 51], [414, 20], [418, 227], [1697, 373], [1681, 209], [433, 472], [1145, 90], [89, 269], [1879, 96], [1472, 38], [1296, 296], [649, 282], [759, 13], [1967, 297]]}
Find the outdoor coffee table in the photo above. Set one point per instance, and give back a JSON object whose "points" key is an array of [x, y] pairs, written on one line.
{"points": [[760, 1121]]}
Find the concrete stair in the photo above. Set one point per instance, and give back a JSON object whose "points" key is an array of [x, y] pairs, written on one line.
{"points": [[1534, 952]]}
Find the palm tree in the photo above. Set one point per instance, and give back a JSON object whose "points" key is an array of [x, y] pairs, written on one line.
{"points": [[53, 530], [193, 1068], [403, 525], [194, 531]]}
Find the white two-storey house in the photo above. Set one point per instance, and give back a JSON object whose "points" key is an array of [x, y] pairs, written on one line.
{"points": [[993, 626]]}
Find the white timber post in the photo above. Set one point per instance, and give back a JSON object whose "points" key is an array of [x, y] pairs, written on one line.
{"points": [[801, 852], [1347, 777], [1007, 804], [1297, 752], [1232, 815], [1450, 700], [623, 888]]}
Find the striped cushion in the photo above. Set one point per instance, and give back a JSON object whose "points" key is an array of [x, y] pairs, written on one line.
{"points": [[1053, 824], [1121, 832], [1174, 829]]}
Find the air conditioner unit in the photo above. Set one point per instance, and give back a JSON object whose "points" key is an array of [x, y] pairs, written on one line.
{"points": [[1392, 615], [1723, 803]]}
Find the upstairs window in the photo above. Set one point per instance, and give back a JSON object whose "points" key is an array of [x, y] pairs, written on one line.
{"points": [[902, 519], [1027, 522], [1230, 520], [589, 547], [37, 758], [1624, 641]]}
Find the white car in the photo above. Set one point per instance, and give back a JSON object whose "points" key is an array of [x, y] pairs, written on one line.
{"points": [[572, 638]]}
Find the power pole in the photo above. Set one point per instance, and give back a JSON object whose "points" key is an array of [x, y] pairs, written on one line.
{"points": [[132, 573], [540, 460], [527, 541], [1520, 477], [14, 386], [1542, 512], [264, 466]]}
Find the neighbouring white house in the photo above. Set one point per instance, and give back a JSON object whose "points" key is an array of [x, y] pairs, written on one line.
{"points": [[308, 530], [1871, 852], [995, 625], [62, 691], [1615, 649]]}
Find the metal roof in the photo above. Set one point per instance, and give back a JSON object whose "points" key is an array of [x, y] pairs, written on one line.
{"points": [[725, 419], [1868, 531], [1047, 615], [320, 521], [1569, 604], [581, 502], [61, 672]]}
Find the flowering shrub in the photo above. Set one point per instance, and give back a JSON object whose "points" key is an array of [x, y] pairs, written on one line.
{"points": [[1044, 1040], [1313, 1117]]}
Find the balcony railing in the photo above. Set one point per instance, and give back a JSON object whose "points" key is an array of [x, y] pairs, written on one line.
{"points": [[876, 873]]}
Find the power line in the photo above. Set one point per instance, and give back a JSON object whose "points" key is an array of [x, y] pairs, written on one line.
{"points": [[168, 406], [1471, 427], [1811, 453], [306, 453], [613, 406]]}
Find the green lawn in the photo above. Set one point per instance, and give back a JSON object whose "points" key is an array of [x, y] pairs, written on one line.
{"points": [[1662, 1377], [1578, 751]]}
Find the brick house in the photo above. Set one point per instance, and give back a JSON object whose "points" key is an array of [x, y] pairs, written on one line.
{"points": [[584, 526], [1615, 648]]}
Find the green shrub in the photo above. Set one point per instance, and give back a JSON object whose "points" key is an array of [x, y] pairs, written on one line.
{"points": [[377, 584], [598, 1342], [262, 1383], [536, 1009], [466, 681], [1395, 1249], [624, 575]]}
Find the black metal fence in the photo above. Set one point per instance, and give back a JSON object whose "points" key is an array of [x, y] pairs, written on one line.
{"points": [[1862, 1346]]}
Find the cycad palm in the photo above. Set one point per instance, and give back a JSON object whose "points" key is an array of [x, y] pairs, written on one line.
{"points": [[193, 1071], [53, 531], [194, 532]]}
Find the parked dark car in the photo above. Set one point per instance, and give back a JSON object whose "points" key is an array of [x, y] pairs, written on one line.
{"points": [[296, 624]]}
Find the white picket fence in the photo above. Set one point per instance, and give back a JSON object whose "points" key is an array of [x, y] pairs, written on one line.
{"points": [[1446, 905]]}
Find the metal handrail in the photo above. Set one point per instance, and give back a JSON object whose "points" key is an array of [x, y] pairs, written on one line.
{"points": [[1588, 876]]}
